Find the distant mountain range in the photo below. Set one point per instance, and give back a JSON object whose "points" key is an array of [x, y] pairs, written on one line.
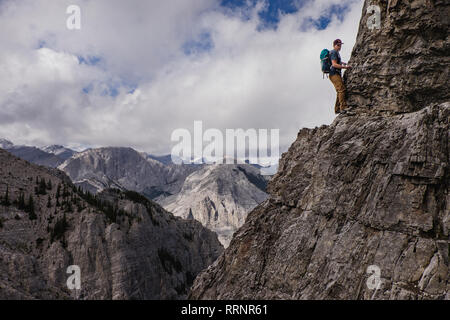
{"points": [[59, 151], [35, 155], [219, 196]]}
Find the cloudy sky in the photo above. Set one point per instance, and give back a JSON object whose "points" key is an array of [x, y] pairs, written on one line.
{"points": [[137, 70]]}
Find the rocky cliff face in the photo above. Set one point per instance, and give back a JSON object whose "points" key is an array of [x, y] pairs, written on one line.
{"points": [[404, 65], [363, 191], [219, 196], [126, 246], [367, 193]]}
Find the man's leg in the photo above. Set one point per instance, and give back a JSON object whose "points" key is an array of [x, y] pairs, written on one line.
{"points": [[336, 105], [340, 90]]}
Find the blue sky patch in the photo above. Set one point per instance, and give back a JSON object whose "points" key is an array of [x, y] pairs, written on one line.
{"points": [[112, 91], [89, 60], [42, 44], [110, 88], [324, 20], [88, 88], [203, 43], [270, 17]]}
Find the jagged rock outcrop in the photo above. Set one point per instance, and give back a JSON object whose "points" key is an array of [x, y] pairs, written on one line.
{"points": [[404, 65], [368, 192], [126, 246], [219, 196]]}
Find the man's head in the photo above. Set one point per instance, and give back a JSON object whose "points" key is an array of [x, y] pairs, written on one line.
{"points": [[337, 44]]}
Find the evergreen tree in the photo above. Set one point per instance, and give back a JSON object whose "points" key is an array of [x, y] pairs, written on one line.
{"points": [[49, 185], [69, 206], [21, 201], [65, 191], [49, 202], [30, 208], [5, 201], [58, 192], [42, 187], [59, 229]]}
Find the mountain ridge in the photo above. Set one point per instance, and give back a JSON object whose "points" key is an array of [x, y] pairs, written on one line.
{"points": [[126, 246]]}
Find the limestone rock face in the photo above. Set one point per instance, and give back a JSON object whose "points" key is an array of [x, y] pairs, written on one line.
{"points": [[219, 196], [126, 246], [404, 65], [360, 209], [364, 191]]}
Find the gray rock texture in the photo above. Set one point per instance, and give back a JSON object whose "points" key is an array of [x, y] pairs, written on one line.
{"points": [[60, 151], [126, 246], [404, 65], [219, 196], [127, 169], [368, 193], [366, 190]]}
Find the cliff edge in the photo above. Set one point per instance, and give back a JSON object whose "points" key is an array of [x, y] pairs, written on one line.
{"points": [[359, 209]]}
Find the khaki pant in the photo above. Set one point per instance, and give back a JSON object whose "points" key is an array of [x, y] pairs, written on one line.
{"points": [[340, 104]]}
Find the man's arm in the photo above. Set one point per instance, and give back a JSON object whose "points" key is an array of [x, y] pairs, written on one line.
{"points": [[338, 66]]}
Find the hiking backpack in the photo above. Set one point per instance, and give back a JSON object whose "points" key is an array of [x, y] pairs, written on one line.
{"points": [[325, 61]]}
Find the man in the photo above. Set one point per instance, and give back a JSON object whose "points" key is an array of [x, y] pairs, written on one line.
{"points": [[336, 78]]}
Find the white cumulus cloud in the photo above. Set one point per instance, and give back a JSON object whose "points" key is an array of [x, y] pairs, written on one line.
{"points": [[136, 84]]}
